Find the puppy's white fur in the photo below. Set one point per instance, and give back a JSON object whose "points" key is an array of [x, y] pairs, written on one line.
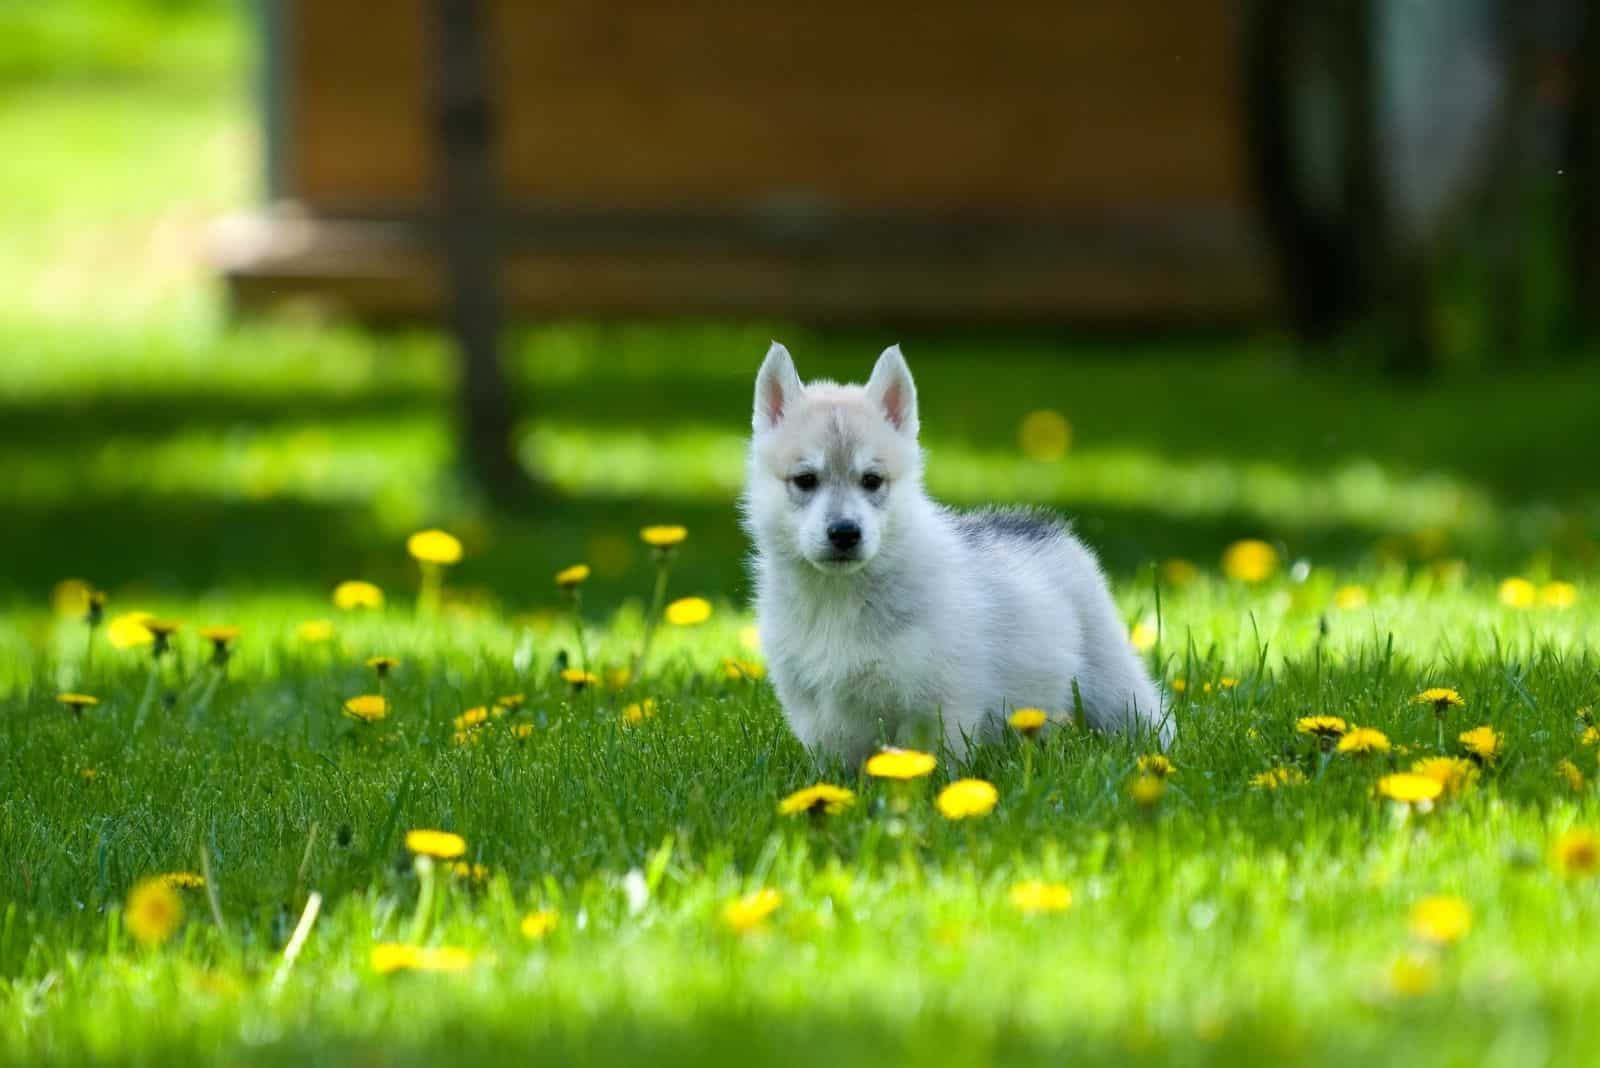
{"points": [[934, 619]]}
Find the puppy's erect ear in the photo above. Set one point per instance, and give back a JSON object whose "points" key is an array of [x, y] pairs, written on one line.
{"points": [[891, 390], [778, 388]]}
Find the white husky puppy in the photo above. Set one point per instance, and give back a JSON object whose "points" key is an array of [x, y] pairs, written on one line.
{"points": [[886, 617]]}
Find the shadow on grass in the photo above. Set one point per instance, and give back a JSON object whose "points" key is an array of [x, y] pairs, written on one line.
{"points": [[1524, 441], [82, 423], [181, 544], [1524, 437]]}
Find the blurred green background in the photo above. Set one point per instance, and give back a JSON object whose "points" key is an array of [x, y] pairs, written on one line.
{"points": [[155, 445]]}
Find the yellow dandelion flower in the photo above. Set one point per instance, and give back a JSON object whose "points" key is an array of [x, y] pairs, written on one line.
{"points": [[823, 799], [390, 957], [472, 717], [1146, 790], [1413, 974], [1360, 741], [1250, 560], [1158, 765], [687, 611], [570, 578], [1577, 852], [510, 701], [434, 547], [394, 957], [663, 537], [1568, 773], [1274, 778], [1028, 721], [444, 958], [1440, 919], [163, 628], [353, 593], [382, 665], [639, 711], [900, 764], [88, 774], [440, 844], [522, 731], [536, 925], [1518, 593], [1036, 895], [751, 911], [750, 638], [1558, 595], [1044, 435], [1441, 698], [1178, 572], [1590, 736], [736, 670], [1482, 743], [472, 873], [153, 912], [183, 880], [368, 708], [1348, 598], [315, 630], [1227, 682], [1327, 728], [1180, 685], [1409, 788], [577, 678], [77, 701], [1453, 774], [220, 638], [1143, 636], [70, 597], [966, 798], [128, 630]]}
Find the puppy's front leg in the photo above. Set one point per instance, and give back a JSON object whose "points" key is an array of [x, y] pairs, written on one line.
{"points": [[961, 733], [829, 730]]}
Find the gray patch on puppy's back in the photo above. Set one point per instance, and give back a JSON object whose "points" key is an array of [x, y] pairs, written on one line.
{"points": [[1009, 524]]}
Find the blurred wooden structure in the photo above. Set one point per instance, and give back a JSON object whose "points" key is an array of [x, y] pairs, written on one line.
{"points": [[832, 160]]}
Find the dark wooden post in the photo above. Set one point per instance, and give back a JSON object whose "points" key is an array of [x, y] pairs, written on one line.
{"points": [[465, 219]]}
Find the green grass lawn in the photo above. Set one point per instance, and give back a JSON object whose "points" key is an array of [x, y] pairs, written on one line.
{"points": [[232, 473]]}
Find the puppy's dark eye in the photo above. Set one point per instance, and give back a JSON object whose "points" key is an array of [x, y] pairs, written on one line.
{"points": [[805, 481], [871, 482]]}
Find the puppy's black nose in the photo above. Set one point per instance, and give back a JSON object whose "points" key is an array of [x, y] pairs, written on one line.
{"points": [[844, 533]]}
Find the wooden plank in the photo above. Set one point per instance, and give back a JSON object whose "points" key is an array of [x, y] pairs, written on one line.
{"points": [[880, 45], [385, 271], [933, 106]]}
